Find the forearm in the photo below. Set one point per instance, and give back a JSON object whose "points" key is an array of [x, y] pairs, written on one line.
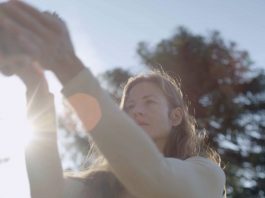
{"points": [[131, 153], [68, 68], [43, 167], [42, 158]]}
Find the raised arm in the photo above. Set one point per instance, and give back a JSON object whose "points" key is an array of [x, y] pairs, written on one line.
{"points": [[133, 156], [42, 159]]}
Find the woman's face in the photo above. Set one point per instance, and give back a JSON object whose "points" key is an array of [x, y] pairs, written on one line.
{"points": [[148, 107]]}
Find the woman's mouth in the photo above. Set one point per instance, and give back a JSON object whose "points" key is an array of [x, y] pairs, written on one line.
{"points": [[142, 123]]}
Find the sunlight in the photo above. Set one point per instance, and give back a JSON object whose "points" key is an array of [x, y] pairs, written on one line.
{"points": [[14, 176], [15, 131], [15, 134]]}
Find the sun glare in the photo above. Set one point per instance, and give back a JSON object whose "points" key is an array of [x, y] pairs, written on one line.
{"points": [[15, 135], [15, 131]]}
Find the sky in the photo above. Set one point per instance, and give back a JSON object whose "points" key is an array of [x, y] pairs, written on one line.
{"points": [[106, 33]]}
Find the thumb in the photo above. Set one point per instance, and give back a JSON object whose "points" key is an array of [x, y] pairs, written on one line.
{"points": [[13, 64]]}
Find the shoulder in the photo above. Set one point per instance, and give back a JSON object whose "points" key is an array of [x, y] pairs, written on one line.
{"points": [[200, 165], [206, 175], [208, 167]]}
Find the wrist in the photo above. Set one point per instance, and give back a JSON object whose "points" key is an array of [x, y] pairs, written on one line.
{"points": [[32, 76], [37, 87], [68, 69]]}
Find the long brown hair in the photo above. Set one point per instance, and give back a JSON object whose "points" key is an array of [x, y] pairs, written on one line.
{"points": [[184, 140]]}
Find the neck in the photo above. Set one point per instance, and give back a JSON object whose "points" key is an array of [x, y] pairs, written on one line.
{"points": [[160, 143]]}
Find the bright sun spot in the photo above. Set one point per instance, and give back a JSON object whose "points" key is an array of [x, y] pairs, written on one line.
{"points": [[15, 131], [15, 135]]}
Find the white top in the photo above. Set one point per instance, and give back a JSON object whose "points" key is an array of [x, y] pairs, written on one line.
{"points": [[131, 153]]}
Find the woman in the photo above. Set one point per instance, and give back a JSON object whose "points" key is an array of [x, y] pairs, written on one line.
{"points": [[155, 102], [172, 163]]}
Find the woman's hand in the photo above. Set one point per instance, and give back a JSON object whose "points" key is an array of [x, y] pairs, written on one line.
{"points": [[43, 37], [29, 72]]}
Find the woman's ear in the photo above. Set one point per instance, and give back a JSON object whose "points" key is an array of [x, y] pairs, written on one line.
{"points": [[176, 116]]}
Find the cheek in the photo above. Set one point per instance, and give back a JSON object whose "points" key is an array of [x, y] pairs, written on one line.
{"points": [[164, 118], [160, 115]]}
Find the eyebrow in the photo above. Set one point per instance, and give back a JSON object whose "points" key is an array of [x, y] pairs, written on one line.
{"points": [[145, 97]]}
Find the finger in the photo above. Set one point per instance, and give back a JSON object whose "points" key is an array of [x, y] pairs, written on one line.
{"points": [[7, 67], [37, 15], [24, 20], [15, 39], [49, 21], [19, 65], [6, 71], [31, 73], [8, 34]]}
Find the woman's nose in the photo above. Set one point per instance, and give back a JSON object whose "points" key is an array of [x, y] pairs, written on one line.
{"points": [[138, 110]]}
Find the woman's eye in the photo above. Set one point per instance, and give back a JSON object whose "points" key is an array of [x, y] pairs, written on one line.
{"points": [[150, 102], [129, 107]]}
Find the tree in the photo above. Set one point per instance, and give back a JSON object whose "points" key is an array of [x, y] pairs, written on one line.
{"points": [[73, 140], [113, 81], [226, 96]]}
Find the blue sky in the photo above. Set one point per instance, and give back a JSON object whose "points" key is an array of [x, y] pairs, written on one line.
{"points": [[106, 33]]}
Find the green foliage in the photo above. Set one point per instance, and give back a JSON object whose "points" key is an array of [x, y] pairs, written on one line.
{"points": [[227, 102], [73, 140], [113, 81], [226, 96]]}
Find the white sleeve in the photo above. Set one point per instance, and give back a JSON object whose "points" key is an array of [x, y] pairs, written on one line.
{"points": [[42, 158], [133, 156]]}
